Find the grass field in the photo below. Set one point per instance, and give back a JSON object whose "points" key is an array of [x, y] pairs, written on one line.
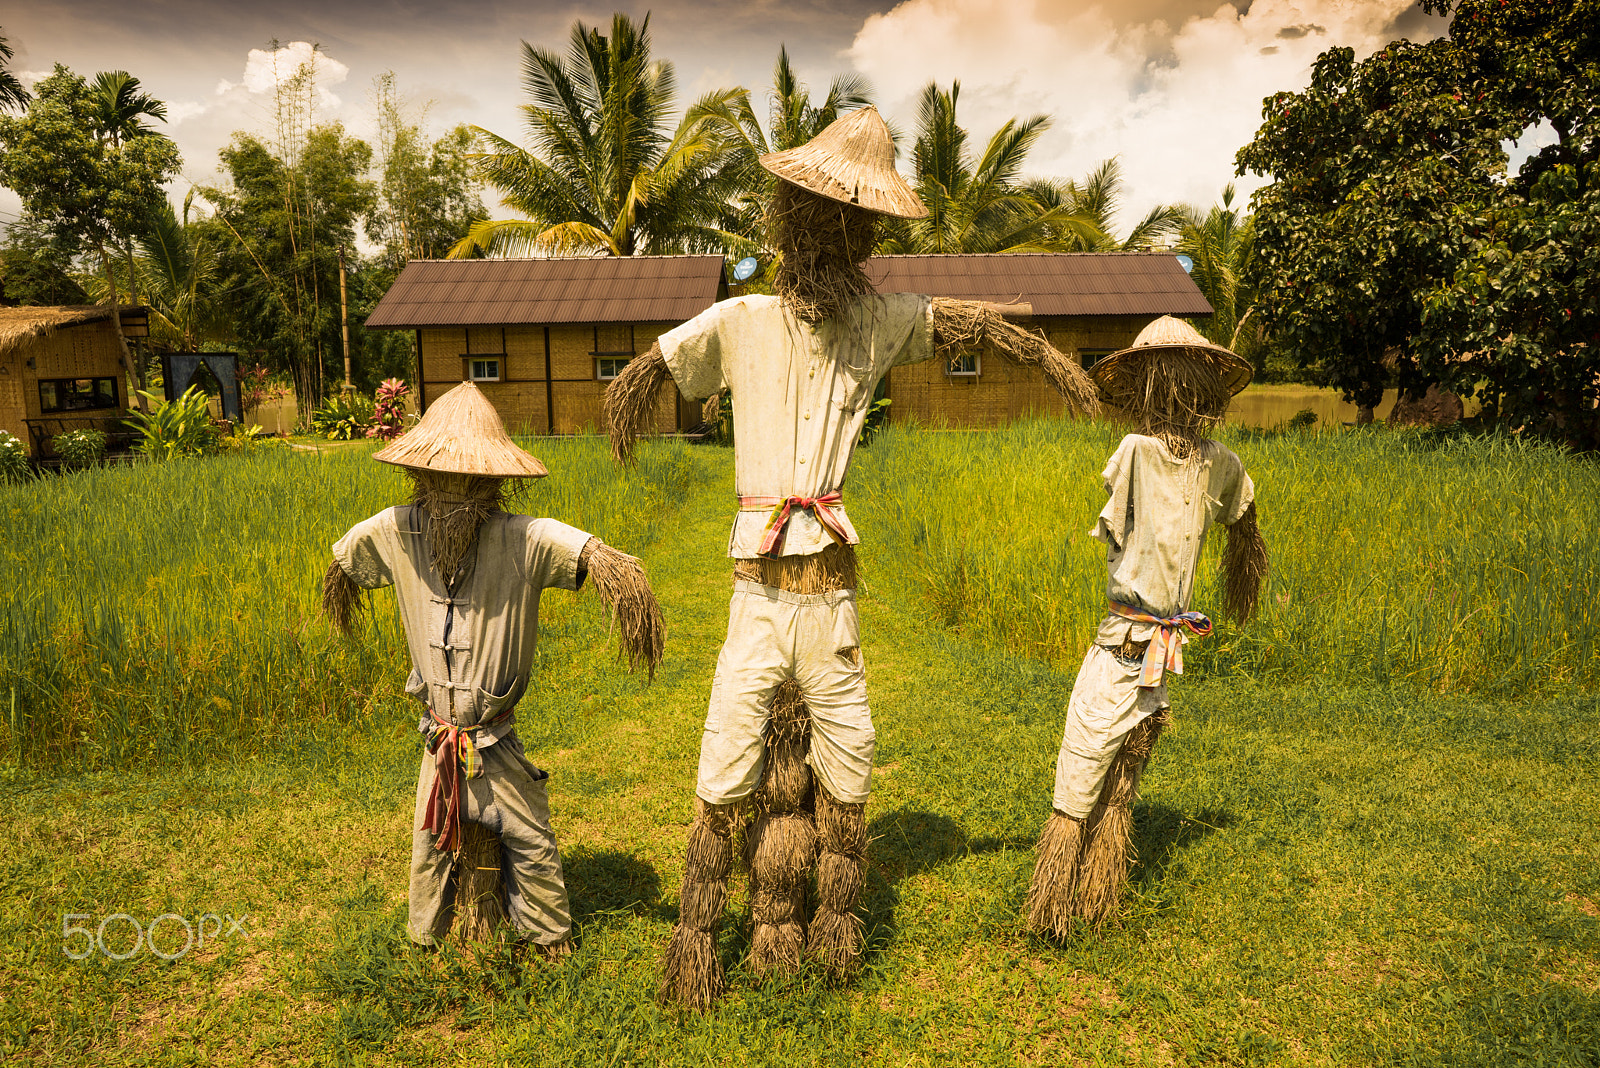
{"points": [[1368, 839]]}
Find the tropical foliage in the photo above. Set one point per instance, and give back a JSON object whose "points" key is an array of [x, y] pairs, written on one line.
{"points": [[12, 94], [606, 173], [80, 448], [13, 459], [389, 409], [1394, 248], [170, 429]]}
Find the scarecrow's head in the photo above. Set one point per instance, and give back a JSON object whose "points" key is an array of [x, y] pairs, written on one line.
{"points": [[822, 220], [1173, 382], [460, 462]]}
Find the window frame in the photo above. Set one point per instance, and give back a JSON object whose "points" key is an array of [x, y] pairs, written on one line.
{"points": [[977, 366], [94, 391], [599, 367], [498, 359]]}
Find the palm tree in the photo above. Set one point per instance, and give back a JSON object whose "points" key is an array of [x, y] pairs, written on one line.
{"points": [[1221, 242], [982, 205], [12, 94], [121, 105], [605, 174], [792, 119], [176, 269], [1097, 200]]}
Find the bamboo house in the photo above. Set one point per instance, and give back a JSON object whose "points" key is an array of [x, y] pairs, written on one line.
{"points": [[61, 369]]}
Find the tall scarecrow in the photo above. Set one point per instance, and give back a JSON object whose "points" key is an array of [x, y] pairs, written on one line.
{"points": [[468, 578], [788, 730], [1167, 483]]}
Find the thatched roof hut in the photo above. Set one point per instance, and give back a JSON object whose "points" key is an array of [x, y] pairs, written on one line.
{"points": [[61, 368]]}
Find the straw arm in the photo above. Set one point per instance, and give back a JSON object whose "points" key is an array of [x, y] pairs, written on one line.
{"points": [[620, 581], [630, 400], [961, 326], [341, 598], [1245, 565]]}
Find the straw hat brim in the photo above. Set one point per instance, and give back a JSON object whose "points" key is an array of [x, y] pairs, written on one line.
{"points": [[1235, 370], [462, 434]]}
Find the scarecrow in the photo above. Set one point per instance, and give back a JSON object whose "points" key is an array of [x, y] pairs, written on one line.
{"points": [[1167, 485], [468, 578], [788, 732]]}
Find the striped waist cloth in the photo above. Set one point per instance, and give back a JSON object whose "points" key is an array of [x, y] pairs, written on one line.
{"points": [[454, 755], [1165, 652], [783, 508]]}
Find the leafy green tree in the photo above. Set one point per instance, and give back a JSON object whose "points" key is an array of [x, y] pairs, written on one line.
{"points": [[36, 267], [12, 94], [427, 196], [606, 172], [1392, 246], [90, 186], [278, 229]]}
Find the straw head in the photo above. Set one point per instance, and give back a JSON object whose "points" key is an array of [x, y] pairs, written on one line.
{"points": [[462, 434], [1168, 334], [851, 161]]}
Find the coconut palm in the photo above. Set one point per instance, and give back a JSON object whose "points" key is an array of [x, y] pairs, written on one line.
{"points": [[12, 94], [792, 119], [176, 271], [1098, 199], [605, 172], [983, 205], [1221, 242]]}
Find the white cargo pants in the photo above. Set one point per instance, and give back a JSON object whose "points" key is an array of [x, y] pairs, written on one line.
{"points": [[1107, 702], [772, 635]]}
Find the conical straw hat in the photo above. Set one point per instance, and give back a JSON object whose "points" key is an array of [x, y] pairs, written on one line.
{"points": [[1164, 335], [850, 161], [462, 434]]}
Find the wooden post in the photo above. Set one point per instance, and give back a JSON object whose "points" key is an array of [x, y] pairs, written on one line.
{"points": [[344, 322]]}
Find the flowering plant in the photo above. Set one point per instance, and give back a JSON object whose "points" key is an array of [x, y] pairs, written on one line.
{"points": [[389, 408]]}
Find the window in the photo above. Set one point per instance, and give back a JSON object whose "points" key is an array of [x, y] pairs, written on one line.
{"points": [[608, 367], [965, 365], [76, 394], [1090, 357], [483, 370]]}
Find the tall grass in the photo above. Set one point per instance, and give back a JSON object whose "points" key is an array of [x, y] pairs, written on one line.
{"points": [[164, 611], [1455, 563]]}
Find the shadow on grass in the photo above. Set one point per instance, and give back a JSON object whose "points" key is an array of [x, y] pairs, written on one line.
{"points": [[905, 843], [1160, 834], [608, 884]]}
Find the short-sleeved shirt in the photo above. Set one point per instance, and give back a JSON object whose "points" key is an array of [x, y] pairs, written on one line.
{"points": [[471, 649], [1154, 525], [800, 395]]}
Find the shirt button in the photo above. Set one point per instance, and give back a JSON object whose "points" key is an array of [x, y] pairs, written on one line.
{"points": [[808, 415], [802, 459]]}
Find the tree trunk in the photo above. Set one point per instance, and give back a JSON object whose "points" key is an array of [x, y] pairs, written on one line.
{"points": [[116, 322], [142, 363]]}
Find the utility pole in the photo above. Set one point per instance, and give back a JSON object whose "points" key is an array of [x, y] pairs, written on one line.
{"points": [[344, 322]]}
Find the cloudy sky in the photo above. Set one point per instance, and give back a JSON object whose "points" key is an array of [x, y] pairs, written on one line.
{"points": [[1171, 87]]}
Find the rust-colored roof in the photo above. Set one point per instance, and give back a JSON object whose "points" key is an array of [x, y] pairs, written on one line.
{"points": [[1072, 283], [605, 289]]}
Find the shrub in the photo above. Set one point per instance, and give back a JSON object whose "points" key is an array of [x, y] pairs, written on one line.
{"points": [[174, 428], [1303, 419], [13, 459], [343, 418], [388, 420], [80, 448]]}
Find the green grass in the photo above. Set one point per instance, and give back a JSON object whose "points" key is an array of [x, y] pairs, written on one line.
{"points": [[1337, 866]]}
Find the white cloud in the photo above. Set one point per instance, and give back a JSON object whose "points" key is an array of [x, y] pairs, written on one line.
{"points": [[1174, 101]]}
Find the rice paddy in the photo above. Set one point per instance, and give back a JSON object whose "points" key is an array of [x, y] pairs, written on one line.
{"points": [[1367, 837]]}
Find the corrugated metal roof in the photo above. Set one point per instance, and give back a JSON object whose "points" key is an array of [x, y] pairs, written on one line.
{"points": [[639, 289], [1073, 283], [632, 289]]}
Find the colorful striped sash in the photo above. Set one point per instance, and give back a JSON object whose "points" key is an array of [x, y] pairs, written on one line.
{"points": [[782, 507], [1166, 644], [453, 753]]}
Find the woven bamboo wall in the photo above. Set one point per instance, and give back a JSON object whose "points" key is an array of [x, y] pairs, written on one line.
{"points": [[574, 389], [1002, 391]]}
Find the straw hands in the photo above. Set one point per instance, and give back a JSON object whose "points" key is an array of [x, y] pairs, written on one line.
{"points": [[631, 399], [623, 586], [961, 326], [1244, 566], [341, 598]]}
